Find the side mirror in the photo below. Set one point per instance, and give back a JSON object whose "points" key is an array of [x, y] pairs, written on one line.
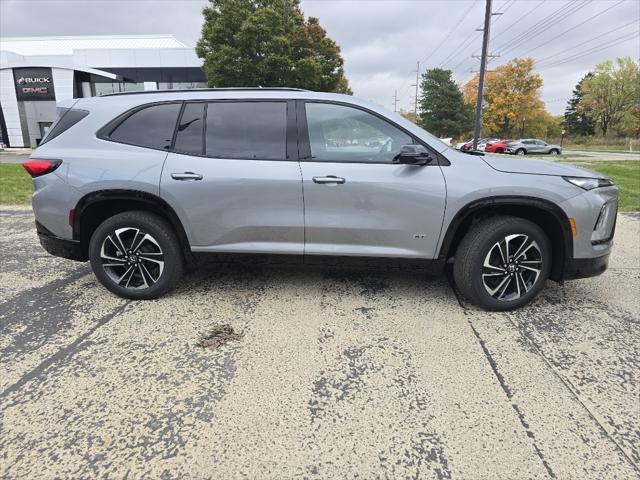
{"points": [[413, 155]]}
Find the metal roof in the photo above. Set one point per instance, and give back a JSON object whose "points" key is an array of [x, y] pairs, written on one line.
{"points": [[66, 45]]}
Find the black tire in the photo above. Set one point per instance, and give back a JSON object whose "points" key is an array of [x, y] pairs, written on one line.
{"points": [[480, 242], [521, 151], [163, 236], [554, 151], [499, 150]]}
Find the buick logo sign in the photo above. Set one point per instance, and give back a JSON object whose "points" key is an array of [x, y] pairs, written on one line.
{"points": [[33, 84], [22, 80]]}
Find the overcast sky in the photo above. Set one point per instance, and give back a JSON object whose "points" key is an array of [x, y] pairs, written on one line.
{"points": [[382, 40]]}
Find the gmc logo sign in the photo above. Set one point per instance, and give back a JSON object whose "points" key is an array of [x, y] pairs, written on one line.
{"points": [[36, 90]]}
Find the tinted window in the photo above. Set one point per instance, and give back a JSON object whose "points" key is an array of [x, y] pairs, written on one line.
{"points": [[248, 130], [67, 118], [150, 127], [190, 130], [344, 134]]}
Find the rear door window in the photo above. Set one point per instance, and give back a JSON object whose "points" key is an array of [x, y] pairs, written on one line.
{"points": [[189, 137], [247, 130], [151, 127]]}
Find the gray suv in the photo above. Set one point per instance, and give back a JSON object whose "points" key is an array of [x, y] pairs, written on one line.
{"points": [[137, 183], [527, 146]]}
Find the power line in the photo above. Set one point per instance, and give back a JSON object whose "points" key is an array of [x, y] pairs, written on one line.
{"points": [[542, 60], [527, 32], [515, 22], [404, 83], [454, 28], [576, 26], [536, 32], [462, 45], [507, 5], [609, 44]]}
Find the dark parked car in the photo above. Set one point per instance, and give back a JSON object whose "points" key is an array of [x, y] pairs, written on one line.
{"points": [[532, 145]]}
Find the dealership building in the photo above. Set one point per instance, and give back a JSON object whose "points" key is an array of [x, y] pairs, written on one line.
{"points": [[37, 72]]}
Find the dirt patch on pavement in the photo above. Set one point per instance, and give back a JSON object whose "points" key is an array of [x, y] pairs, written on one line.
{"points": [[218, 336]]}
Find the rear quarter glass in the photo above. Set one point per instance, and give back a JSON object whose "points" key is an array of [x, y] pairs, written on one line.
{"points": [[67, 118]]}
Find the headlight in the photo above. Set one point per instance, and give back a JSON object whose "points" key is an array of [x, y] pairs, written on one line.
{"points": [[589, 183]]}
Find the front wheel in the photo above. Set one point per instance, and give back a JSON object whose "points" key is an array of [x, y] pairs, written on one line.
{"points": [[553, 151], [136, 255], [502, 263], [521, 151]]}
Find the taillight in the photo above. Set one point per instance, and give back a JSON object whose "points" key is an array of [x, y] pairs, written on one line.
{"points": [[36, 167]]}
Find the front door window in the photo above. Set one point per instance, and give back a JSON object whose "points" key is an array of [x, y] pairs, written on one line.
{"points": [[338, 133]]}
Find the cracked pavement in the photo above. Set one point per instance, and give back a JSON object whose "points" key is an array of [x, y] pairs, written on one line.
{"points": [[328, 373]]}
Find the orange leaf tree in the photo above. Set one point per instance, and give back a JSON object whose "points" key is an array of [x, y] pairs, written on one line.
{"points": [[512, 104]]}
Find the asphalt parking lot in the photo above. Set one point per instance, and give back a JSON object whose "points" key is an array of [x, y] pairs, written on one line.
{"points": [[315, 373]]}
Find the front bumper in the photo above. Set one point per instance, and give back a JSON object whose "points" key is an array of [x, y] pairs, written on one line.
{"points": [[60, 247], [585, 267]]}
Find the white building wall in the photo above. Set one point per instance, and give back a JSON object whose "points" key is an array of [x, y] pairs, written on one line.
{"points": [[138, 57], [10, 110], [62, 83]]}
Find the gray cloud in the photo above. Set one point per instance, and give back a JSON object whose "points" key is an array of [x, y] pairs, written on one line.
{"points": [[380, 40]]}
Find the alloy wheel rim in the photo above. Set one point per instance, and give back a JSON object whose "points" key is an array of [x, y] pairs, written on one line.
{"points": [[132, 258], [512, 267]]}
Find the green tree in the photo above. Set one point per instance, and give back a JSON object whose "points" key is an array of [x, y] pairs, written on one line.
{"points": [[576, 122], [443, 111], [268, 43], [611, 96]]}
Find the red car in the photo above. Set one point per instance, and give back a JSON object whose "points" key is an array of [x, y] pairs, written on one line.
{"points": [[497, 147]]}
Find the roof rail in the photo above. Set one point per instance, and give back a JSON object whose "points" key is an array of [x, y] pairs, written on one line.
{"points": [[219, 89]]}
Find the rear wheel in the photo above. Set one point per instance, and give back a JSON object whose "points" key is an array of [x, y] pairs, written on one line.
{"points": [[499, 150], [502, 263], [136, 255], [521, 151]]}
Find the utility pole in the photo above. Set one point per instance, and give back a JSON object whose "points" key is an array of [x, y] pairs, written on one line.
{"points": [[415, 105], [395, 101], [483, 67]]}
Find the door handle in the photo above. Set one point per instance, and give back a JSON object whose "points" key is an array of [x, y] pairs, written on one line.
{"points": [[186, 176], [329, 179]]}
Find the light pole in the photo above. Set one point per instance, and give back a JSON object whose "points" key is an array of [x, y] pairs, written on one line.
{"points": [[522, 127], [562, 138]]}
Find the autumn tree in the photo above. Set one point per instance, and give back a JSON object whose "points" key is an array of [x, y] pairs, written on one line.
{"points": [[443, 111], [578, 122], [611, 96], [512, 104], [268, 43]]}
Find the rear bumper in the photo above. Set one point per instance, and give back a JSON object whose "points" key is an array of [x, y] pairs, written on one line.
{"points": [[585, 267], [60, 247]]}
